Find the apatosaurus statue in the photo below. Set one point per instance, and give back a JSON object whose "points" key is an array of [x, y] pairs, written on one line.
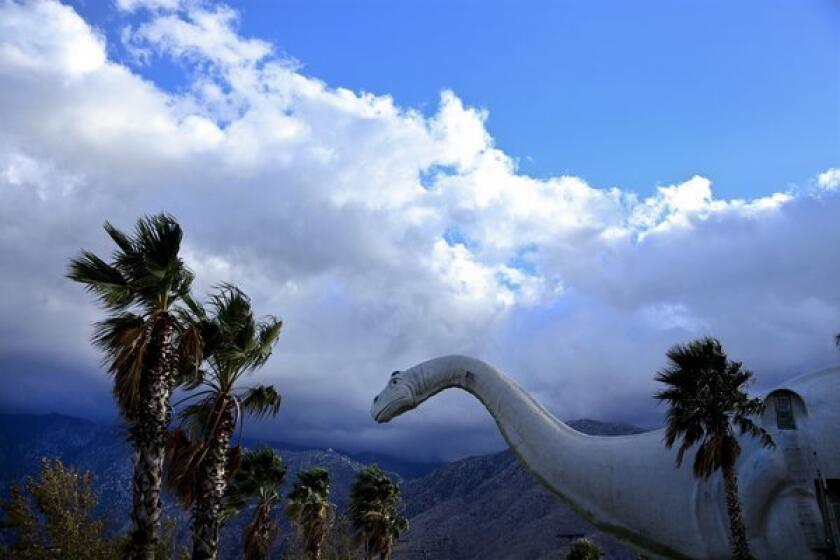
{"points": [[630, 487]]}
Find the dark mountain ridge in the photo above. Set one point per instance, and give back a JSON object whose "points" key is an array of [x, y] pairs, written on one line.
{"points": [[480, 507]]}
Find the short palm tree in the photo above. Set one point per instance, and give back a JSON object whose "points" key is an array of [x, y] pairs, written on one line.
{"points": [[201, 459], [309, 508], [583, 549], [143, 342], [708, 401], [375, 512], [259, 478]]}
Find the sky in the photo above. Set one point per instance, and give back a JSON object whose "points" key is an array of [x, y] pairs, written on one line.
{"points": [[563, 189]]}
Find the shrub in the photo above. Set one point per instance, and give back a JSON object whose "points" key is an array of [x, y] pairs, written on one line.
{"points": [[52, 517]]}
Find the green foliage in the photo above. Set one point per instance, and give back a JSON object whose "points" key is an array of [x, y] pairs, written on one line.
{"points": [[233, 343], [309, 508], [583, 549], [259, 478], [708, 400], [240, 342], [147, 348], [144, 279], [52, 517], [145, 270], [375, 508]]}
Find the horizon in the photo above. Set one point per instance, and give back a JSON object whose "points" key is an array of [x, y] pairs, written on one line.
{"points": [[406, 468], [394, 200]]}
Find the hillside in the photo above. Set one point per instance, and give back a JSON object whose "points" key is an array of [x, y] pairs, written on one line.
{"points": [[485, 507]]}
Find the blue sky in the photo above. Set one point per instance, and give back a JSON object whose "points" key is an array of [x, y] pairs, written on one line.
{"points": [[649, 173], [636, 94]]}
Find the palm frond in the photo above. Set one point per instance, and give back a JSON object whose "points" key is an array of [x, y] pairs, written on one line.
{"points": [[181, 465], [150, 260], [106, 282], [706, 394], [310, 484], [190, 354], [748, 427], [260, 473], [125, 339], [261, 400], [143, 280], [124, 243], [267, 334], [197, 417], [375, 510], [242, 344]]}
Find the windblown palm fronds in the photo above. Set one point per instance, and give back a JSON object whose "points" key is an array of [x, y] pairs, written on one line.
{"points": [[707, 398], [147, 349]]}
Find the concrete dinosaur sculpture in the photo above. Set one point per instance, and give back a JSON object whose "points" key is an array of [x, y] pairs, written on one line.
{"points": [[629, 486]]}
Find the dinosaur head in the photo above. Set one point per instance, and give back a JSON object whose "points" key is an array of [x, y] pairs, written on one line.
{"points": [[398, 396], [408, 389]]}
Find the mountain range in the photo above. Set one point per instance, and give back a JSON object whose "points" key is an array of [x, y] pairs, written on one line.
{"points": [[484, 507]]}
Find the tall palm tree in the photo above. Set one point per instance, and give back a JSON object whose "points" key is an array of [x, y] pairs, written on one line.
{"points": [[309, 508], [144, 343], [375, 512], [201, 459], [708, 401], [259, 477]]}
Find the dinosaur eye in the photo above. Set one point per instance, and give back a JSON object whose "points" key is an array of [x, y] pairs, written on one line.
{"points": [[394, 382]]}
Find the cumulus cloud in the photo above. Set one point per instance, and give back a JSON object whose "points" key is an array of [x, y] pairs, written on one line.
{"points": [[381, 236]]}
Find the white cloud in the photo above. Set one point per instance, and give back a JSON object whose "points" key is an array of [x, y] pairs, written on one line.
{"points": [[829, 180], [382, 237], [133, 5], [204, 34], [64, 43]]}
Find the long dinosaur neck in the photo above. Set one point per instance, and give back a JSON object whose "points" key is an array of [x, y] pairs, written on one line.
{"points": [[613, 481], [521, 419]]}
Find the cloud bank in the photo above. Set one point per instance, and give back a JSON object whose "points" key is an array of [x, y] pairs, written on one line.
{"points": [[381, 236]]}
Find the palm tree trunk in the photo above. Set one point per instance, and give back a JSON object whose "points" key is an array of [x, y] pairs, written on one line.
{"points": [[212, 482], [148, 436], [738, 536], [314, 532], [263, 534]]}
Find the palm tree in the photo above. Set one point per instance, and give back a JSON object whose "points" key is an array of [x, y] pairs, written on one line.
{"points": [[583, 549], [144, 343], [201, 459], [260, 476], [375, 512], [309, 508], [708, 401]]}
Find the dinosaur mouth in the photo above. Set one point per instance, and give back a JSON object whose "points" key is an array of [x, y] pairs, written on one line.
{"points": [[392, 410]]}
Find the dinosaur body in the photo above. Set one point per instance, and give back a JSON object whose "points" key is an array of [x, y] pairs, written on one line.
{"points": [[629, 485]]}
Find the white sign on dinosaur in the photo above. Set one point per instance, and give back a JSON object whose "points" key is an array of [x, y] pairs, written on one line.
{"points": [[630, 487]]}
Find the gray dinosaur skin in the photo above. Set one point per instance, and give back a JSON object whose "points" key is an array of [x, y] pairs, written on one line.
{"points": [[630, 487]]}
